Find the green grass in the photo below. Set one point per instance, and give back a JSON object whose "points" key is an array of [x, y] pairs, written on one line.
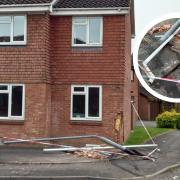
{"points": [[139, 136]]}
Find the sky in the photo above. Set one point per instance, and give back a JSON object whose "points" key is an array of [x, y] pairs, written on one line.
{"points": [[148, 10]]}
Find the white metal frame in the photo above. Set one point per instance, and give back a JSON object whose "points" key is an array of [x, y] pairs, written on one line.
{"points": [[9, 92], [86, 94], [88, 44], [11, 22]]}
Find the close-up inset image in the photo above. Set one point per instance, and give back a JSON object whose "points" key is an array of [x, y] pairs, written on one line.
{"points": [[159, 58]]}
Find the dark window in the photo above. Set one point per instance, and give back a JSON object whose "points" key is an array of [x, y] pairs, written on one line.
{"points": [[93, 108], [79, 106], [86, 102], [16, 105], [79, 89], [3, 105], [3, 87]]}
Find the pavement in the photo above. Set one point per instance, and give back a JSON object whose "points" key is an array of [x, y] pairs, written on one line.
{"points": [[33, 163], [146, 123]]}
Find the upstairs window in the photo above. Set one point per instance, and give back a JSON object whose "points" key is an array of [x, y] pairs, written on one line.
{"points": [[11, 101], [86, 102], [12, 30], [87, 31]]}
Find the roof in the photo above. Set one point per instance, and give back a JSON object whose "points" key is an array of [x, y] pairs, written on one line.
{"points": [[91, 3], [21, 2]]}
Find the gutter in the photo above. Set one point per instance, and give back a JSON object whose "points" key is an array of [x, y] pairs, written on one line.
{"points": [[90, 11], [25, 8]]}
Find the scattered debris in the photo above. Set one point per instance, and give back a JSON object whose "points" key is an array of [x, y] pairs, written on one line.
{"points": [[175, 177]]}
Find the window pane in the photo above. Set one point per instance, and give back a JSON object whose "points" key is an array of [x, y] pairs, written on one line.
{"points": [[17, 96], [79, 34], [80, 20], [19, 28], [78, 89], [94, 30], [3, 87], [5, 19], [5, 32], [4, 105], [79, 106], [93, 106]]}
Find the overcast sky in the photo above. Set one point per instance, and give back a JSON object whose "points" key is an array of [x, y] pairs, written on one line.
{"points": [[148, 10]]}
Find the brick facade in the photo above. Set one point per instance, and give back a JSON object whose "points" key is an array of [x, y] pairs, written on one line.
{"points": [[48, 65], [135, 99]]}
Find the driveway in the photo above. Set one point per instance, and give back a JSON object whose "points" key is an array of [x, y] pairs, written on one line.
{"points": [[26, 162]]}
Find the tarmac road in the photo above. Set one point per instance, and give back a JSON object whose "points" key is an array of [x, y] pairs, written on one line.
{"points": [[26, 163]]}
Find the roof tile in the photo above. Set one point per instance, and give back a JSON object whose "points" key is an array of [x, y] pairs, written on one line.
{"points": [[91, 3], [18, 2]]}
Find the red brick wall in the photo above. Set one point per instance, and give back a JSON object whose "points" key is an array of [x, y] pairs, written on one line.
{"points": [[28, 63], [36, 123], [135, 94], [108, 66], [127, 79], [63, 126], [96, 65], [144, 107], [48, 106]]}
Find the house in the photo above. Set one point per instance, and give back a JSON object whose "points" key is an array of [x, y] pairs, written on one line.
{"points": [[150, 106], [65, 68]]}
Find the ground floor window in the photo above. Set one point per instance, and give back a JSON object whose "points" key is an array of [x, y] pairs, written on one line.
{"points": [[86, 102], [11, 101]]}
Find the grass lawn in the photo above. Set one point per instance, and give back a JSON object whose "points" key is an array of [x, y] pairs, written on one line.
{"points": [[139, 136]]}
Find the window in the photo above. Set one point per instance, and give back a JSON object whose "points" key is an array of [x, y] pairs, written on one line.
{"points": [[86, 102], [87, 31], [11, 101], [12, 30]]}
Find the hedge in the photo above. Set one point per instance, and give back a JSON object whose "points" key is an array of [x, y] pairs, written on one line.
{"points": [[168, 119]]}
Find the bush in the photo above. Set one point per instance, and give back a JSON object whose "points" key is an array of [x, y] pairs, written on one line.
{"points": [[168, 119], [178, 121]]}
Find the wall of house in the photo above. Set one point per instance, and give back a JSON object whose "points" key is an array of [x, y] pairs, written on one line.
{"points": [[107, 66], [144, 107], [29, 65], [48, 65], [127, 79], [134, 97]]}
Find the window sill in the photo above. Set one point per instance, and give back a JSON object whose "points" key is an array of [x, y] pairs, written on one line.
{"points": [[86, 122], [13, 44], [88, 46], [11, 122]]}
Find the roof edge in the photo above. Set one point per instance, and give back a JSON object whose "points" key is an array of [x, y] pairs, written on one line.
{"points": [[25, 8], [90, 11]]}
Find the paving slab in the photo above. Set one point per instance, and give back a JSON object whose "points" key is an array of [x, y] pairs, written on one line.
{"points": [[26, 162]]}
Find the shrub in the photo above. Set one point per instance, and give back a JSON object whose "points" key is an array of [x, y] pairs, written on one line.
{"points": [[178, 121], [167, 119]]}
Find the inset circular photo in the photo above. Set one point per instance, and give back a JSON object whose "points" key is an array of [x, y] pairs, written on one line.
{"points": [[157, 60]]}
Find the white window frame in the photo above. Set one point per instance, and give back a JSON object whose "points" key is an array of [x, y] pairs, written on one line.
{"points": [[87, 31], [9, 92], [11, 22], [86, 87]]}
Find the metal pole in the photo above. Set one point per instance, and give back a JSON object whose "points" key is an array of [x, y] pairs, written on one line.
{"points": [[171, 31], [103, 139]]}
